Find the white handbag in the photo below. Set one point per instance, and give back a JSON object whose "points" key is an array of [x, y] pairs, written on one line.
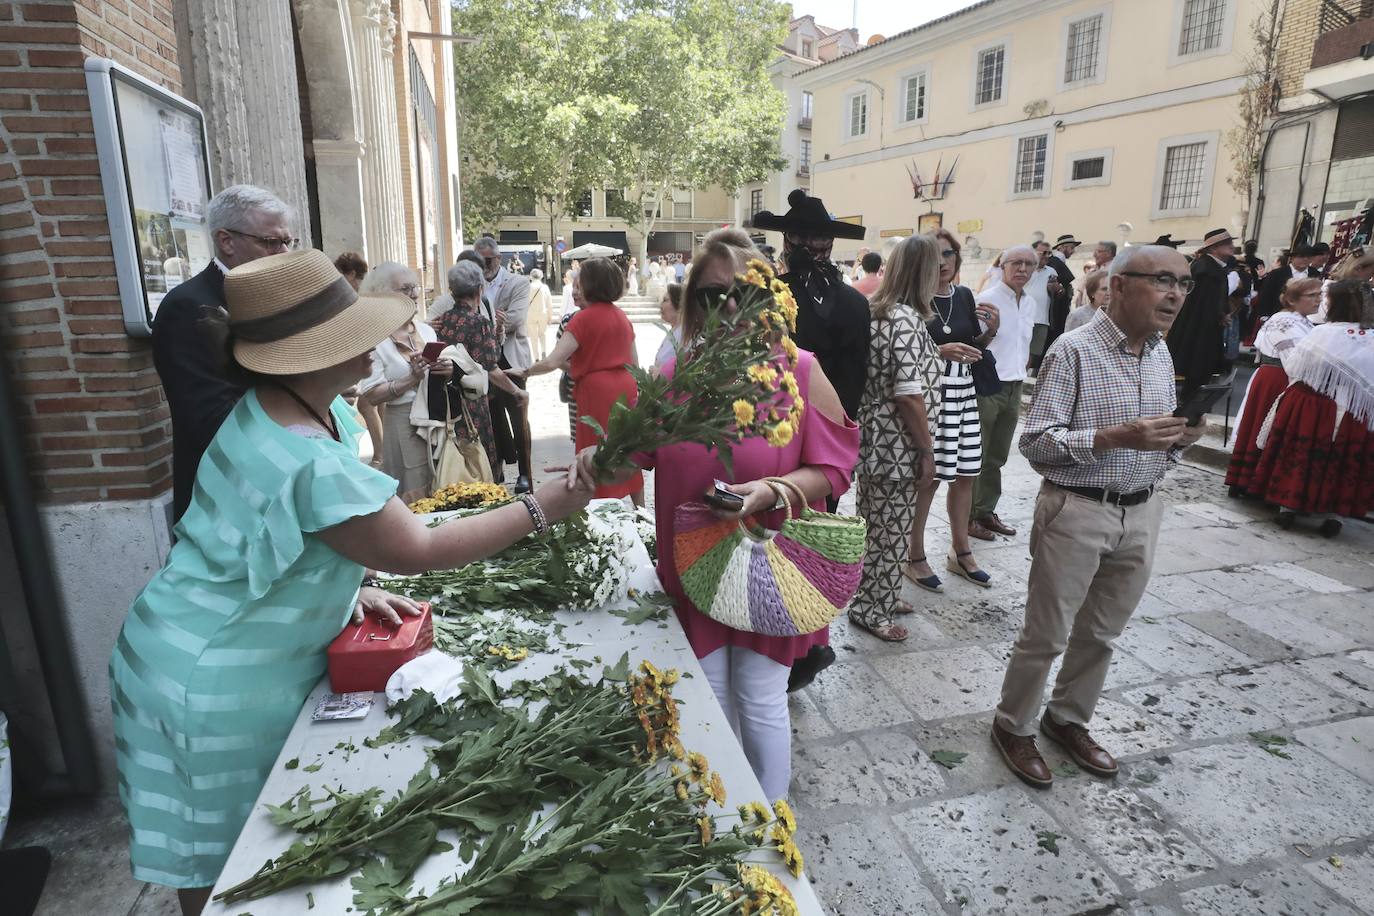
{"points": [[473, 379]]}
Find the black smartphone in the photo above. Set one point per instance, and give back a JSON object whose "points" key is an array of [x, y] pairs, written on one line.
{"points": [[1202, 400], [721, 498]]}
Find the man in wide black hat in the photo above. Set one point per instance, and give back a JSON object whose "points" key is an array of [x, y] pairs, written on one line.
{"points": [[832, 322], [1197, 340], [832, 316], [1061, 299]]}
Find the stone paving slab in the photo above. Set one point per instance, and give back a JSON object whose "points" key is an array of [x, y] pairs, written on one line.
{"points": [[860, 869], [941, 683], [1352, 880], [1284, 691], [1201, 708], [1170, 646], [986, 853], [1244, 803], [1349, 743], [1349, 675], [1294, 624], [1236, 634], [1289, 893]]}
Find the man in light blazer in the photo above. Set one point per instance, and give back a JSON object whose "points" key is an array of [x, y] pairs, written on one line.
{"points": [[509, 297]]}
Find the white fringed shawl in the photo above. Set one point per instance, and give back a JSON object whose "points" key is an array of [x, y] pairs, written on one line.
{"points": [[1336, 360]]}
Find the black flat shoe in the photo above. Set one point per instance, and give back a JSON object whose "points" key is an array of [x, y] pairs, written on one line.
{"points": [[804, 670], [522, 485], [23, 872]]}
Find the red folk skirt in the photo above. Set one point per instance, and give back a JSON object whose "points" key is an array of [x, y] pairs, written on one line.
{"points": [[594, 393], [1265, 388], [1309, 464]]}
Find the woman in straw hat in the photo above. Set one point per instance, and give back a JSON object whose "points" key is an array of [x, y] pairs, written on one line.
{"points": [[221, 648]]}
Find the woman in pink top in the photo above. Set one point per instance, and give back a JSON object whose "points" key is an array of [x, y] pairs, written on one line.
{"points": [[748, 672]]}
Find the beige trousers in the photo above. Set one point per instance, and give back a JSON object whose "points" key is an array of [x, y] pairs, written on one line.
{"points": [[1090, 564]]}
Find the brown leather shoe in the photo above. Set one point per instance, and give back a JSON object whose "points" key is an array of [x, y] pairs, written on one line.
{"points": [[1022, 756], [1075, 739], [996, 525], [976, 530]]}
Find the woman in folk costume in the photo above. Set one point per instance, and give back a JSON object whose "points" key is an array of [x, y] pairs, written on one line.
{"points": [[1318, 443], [1276, 343]]}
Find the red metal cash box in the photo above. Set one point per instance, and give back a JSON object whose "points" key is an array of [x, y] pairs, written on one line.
{"points": [[365, 655]]}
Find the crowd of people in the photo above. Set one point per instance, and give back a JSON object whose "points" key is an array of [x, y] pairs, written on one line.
{"points": [[906, 379]]}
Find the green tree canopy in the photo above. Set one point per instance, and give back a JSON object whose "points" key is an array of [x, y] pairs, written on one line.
{"points": [[559, 97]]}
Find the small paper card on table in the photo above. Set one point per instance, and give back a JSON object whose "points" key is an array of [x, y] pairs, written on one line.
{"points": [[344, 706]]}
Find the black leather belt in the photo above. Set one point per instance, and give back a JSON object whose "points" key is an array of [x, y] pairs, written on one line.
{"points": [[1270, 361], [1109, 497]]}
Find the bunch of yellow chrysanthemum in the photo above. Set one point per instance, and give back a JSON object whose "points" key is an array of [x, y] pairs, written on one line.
{"points": [[735, 381], [461, 496]]}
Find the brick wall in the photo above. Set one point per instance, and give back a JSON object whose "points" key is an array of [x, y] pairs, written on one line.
{"points": [[1297, 33], [95, 417]]}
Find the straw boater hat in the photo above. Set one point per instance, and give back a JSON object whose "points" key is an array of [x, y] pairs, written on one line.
{"points": [[1066, 240], [1215, 237], [807, 216], [294, 312]]}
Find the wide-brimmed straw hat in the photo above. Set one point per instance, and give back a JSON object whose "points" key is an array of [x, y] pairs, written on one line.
{"points": [[294, 312], [1067, 239], [807, 216], [1215, 237]]}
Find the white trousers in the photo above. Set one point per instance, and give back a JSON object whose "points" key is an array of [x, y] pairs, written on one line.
{"points": [[752, 690]]}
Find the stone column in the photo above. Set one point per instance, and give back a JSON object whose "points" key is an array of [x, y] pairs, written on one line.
{"points": [[373, 35], [244, 67]]}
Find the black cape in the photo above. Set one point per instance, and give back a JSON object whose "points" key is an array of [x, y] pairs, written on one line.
{"points": [[1196, 341], [836, 328]]}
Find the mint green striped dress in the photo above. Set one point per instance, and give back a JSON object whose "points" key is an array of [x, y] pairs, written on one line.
{"points": [[222, 647]]}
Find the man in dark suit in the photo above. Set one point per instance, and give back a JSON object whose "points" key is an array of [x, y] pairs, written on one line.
{"points": [[246, 223], [1197, 340], [1275, 280], [1061, 300]]}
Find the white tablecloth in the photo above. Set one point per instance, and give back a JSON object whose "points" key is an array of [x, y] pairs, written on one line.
{"points": [[347, 763]]}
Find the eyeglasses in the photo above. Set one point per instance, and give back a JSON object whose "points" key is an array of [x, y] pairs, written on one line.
{"points": [[948, 253], [269, 241], [1164, 282], [1013, 264]]}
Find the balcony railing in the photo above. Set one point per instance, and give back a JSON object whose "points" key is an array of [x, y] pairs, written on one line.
{"points": [[1337, 14], [803, 171], [1345, 31], [804, 123]]}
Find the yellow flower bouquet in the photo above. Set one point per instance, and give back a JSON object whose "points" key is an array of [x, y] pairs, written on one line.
{"points": [[728, 384]]}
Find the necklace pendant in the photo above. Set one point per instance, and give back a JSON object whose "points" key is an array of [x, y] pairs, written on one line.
{"points": [[947, 329]]}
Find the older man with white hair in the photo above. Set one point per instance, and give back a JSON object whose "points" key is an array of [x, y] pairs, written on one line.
{"points": [[997, 413], [509, 296], [246, 223], [1102, 434]]}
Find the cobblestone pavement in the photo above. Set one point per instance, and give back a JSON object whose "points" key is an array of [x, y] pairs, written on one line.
{"points": [[1246, 631], [1248, 634]]}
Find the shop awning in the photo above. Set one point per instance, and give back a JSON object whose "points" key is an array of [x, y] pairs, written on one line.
{"points": [[518, 237]]}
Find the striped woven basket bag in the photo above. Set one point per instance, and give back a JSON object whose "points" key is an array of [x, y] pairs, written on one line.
{"points": [[778, 583]]}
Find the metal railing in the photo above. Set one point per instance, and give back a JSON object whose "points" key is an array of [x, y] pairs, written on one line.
{"points": [[1337, 14], [804, 123], [803, 171]]}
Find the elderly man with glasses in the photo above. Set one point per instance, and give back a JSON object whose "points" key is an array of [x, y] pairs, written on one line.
{"points": [[1102, 434], [508, 296], [997, 413], [246, 223]]}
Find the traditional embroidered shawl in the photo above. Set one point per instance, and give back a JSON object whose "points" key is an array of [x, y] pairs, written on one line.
{"points": [[1281, 334], [1337, 360]]}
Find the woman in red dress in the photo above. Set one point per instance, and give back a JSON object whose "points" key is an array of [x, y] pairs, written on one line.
{"points": [[1318, 443], [1276, 342], [597, 345]]}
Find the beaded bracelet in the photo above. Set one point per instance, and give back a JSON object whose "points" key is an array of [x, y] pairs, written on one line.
{"points": [[541, 521]]}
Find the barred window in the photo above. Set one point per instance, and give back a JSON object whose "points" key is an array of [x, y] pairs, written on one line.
{"points": [[914, 97], [1203, 21], [584, 205], [804, 154], [1183, 169], [682, 203], [1087, 169], [755, 202], [1030, 164], [858, 114], [990, 63], [1085, 38]]}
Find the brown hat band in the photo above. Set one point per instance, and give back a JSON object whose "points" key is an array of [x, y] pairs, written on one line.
{"points": [[302, 316]]}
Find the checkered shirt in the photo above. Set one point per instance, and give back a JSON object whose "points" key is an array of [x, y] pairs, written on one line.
{"points": [[1089, 381]]}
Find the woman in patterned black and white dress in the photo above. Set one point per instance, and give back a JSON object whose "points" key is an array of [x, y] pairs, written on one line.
{"points": [[960, 329]]}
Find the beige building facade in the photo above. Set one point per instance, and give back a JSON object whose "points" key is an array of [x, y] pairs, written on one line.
{"points": [[1099, 118]]}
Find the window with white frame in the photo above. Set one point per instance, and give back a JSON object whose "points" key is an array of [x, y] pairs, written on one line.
{"points": [[682, 203], [1031, 156], [804, 154], [988, 78], [1083, 49], [806, 106], [1202, 27], [584, 205], [1089, 168], [856, 116], [1184, 168], [806, 48], [914, 97]]}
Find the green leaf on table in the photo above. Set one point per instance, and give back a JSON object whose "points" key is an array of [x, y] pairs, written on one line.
{"points": [[619, 672], [292, 763], [652, 607], [314, 767], [478, 685], [380, 885], [948, 759], [1271, 744], [1048, 840], [566, 877]]}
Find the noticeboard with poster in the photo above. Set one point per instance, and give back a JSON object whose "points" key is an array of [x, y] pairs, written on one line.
{"points": [[929, 222], [156, 177]]}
